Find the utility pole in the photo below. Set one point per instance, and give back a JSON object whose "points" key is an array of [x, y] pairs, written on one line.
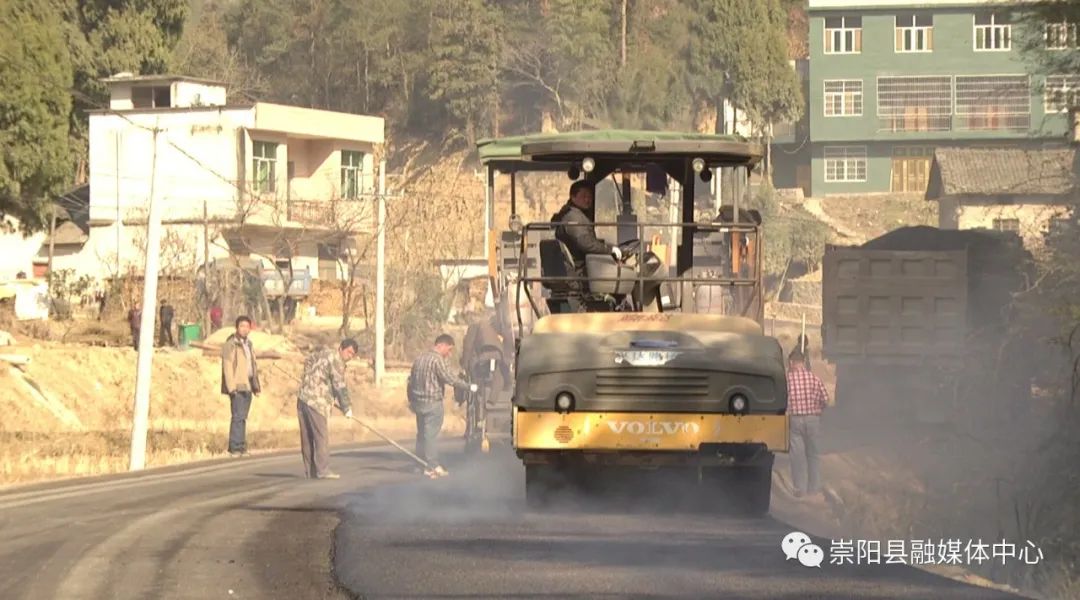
{"points": [[116, 174], [205, 317], [146, 336], [622, 57], [380, 279], [489, 217], [52, 244]]}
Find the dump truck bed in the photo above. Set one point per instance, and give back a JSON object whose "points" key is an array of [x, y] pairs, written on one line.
{"points": [[919, 295], [893, 306]]}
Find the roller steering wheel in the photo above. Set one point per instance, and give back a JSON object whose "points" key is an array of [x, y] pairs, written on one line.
{"points": [[629, 248]]}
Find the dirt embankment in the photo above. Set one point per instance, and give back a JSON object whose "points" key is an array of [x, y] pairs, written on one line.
{"points": [[69, 411]]}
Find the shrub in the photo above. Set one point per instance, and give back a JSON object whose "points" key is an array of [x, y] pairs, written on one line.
{"points": [[792, 236]]}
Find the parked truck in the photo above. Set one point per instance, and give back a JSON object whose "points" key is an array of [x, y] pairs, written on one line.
{"points": [[911, 317]]}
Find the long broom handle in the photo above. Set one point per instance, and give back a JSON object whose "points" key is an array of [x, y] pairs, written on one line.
{"points": [[802, 338], [367, 426], [393, 443]]}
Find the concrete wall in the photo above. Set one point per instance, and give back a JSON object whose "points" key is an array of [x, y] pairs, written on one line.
{"points": [[17, 251], [316, 164], [120, 97], [188, 93], [196, 161], [1034, 218], [325, 124], [182, 94]]}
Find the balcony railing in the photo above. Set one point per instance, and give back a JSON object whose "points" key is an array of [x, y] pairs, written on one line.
{"points": [[337, 214], [1013, 123], [919, 122], [993, 122]]}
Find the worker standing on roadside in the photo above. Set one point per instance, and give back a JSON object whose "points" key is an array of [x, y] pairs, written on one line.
{"points": [[166, 314], [215, 317], [239, 381], [135, 323], [321, 387], [483, 343], [807, 398], [427, 380]]}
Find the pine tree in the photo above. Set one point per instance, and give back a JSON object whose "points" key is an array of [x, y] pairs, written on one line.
{"points": [[738, 52], [35, 105], [650, 91], [561, 57], [464, 73]]}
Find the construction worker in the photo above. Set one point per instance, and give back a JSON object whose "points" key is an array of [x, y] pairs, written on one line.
{"points": [[215, 317], [807, 398], [577, 232], [239, 381], [483, 342], [135, 323], [482, 345], [321, 387], [428, 379], [166, 313]]}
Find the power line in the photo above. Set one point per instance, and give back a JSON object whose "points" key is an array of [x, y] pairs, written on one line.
{"points": [[75, 93]]}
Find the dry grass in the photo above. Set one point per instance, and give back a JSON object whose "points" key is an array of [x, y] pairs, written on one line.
{"points": [[877, 214], [189, 418], [34, 457]]}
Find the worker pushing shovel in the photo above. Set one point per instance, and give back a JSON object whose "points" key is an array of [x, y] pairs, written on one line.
{"points": [[323, 382]]}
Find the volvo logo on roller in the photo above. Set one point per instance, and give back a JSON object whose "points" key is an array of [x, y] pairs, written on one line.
{"points": [[653, 427]]}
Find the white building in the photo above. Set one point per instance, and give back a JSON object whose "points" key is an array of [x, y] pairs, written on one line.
{"points": [[17, 250], [271, 182]]}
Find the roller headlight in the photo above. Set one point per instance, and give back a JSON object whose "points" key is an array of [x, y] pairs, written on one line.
{"points": [[588, 164], [739, 403], [564, 401], [698, 165]]}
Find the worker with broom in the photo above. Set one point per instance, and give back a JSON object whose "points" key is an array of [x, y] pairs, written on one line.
{"points": [[427, 380], [321, 386]]}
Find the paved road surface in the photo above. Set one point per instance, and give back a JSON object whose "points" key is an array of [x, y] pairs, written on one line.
{"points": [[254, 529]]}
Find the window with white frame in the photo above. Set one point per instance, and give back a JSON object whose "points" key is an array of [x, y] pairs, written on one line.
{"points": [[914, 32], [843, 97], [352, 174], [992, 31], [843, 35], [1007, 224], [1061, 35], [915, 103], [993, 102], [1061, 92], [263, 168], [845, 163]]}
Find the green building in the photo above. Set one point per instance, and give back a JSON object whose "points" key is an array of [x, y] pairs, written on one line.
{"points": [[890, 80]]}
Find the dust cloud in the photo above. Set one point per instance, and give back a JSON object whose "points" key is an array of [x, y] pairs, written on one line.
{"points": [[945, 450]]}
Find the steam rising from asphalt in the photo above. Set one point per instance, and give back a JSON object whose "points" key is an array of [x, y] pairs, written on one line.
{"points": [[491, 487], [485, 488]]}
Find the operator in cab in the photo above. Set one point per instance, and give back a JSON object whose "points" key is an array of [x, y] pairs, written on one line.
{"points": [[576, 230]]}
